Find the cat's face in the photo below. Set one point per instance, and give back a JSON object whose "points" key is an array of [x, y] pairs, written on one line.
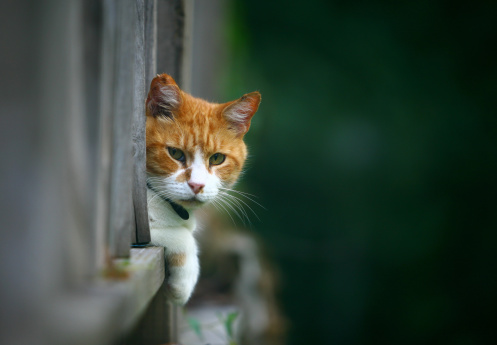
{"points": [[194, 148]]}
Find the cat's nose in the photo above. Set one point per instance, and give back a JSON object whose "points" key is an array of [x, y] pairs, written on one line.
{"points": [[196, 187]]}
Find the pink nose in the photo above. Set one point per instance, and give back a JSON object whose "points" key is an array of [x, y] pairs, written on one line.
{"points": [[196, 187]]}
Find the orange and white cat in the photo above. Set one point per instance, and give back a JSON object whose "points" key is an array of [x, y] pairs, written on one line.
{"points": [[195, 150]]}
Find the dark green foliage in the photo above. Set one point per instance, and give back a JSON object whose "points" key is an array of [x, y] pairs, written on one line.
{"points": [[374, 151]]}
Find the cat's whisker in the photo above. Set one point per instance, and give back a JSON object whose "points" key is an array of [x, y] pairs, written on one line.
{"points": [[215, 205], [221, 205], [249, 198], [240, 207], [236, 203], [154, 196], [237, 191], [244, 195], [203, 211], [238, 200], [231, 206], [161, 193]]}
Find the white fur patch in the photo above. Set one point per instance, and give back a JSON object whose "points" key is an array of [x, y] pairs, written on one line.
{"points": [[180, 190], [200, 175], [169, 98], [176, 236], [239, 112]]}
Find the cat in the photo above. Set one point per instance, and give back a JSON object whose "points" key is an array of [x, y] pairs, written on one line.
{"points": [[195, 150]]}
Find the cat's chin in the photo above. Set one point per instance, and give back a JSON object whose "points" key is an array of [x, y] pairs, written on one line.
{"points": [[192, 203]]}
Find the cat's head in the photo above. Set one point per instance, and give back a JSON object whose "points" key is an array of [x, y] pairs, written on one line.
{"points": [[194, 148]]}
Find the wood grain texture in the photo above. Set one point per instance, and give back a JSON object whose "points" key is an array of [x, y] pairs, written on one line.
{"points": [[170, 33], [142, 234], [159, 324], [105, 132], [147, 275], [122, 218], [150, 41]]}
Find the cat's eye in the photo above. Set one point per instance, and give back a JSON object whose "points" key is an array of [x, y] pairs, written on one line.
{"points": [[176, 154], [217, 158]]}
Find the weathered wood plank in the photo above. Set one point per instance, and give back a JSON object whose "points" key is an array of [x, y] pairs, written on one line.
{"points": [[122, 218], [170, 32], [147, 276], [209, 56], [159, 325], [105, 136], [110, 307], [91, 59], [142, 234], [150, 41], [187, 58]]}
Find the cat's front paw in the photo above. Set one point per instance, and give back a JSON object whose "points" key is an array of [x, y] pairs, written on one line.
{"points": [[183, 275]]}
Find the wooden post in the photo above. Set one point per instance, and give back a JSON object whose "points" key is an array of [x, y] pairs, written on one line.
{"points": [[122, 218], [170, 30], [150, 41], [159, 325], [105, 136], [142, 234]]}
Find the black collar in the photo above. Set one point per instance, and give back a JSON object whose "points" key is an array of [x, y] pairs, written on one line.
{"points": [[180, 210]]}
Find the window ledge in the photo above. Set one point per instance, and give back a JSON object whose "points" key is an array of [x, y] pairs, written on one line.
{"points": [[109, 307]]}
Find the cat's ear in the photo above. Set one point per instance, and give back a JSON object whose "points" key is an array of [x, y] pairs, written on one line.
{"points": [[239, 113], [164, 97]]}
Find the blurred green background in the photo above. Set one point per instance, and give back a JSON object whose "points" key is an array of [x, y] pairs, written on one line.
{"points": [[374, 152]]}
